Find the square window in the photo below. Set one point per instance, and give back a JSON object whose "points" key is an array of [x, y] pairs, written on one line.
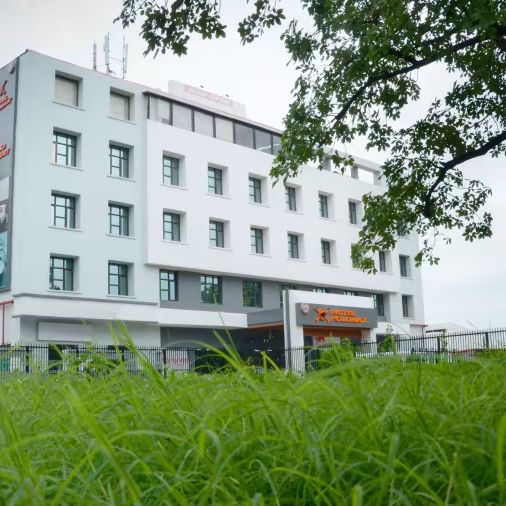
{"points": [[61, 273], [172, 227], [352, 212], [255, 189], [118, 279], [404, 266], [168, 285], [120, 106], [181, 116], [382, 261], [379, 303], [224, 129], [64, 149], [63, 211], [171, 170], [243, 135], [203, 123], [323, 205], [325, 245], [407, 306], [66, 90], [257, 240], [251, 293], [215, 181], [216, 234], [118, 161], [210, 289], [118, 220], [293, 246], [290, 197]]}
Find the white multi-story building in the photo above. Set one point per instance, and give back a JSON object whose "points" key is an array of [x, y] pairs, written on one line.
{"points": [[122, 202]]}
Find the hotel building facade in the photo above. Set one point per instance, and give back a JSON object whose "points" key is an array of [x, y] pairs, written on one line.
{"points": [[119, 202]]}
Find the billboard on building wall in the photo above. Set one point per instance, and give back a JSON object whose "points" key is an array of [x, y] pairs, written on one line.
{"points": [[7, 124]]}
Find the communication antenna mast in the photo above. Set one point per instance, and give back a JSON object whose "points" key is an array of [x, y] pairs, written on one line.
{"points": [[94, 56], [106, 53], [125, 58]]}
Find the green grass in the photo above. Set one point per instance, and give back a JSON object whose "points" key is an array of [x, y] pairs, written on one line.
{"points": [[365, 432]]}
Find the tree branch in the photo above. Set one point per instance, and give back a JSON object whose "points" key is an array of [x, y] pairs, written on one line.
{"points": [[451, 164], [417, 64]]}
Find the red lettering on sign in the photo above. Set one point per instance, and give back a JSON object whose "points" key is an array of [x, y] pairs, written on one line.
{"points": [[4, 100], [4, 151], [3, 89]]}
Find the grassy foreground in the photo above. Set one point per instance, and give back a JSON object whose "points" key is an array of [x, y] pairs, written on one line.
{"points": [[367, 432]]}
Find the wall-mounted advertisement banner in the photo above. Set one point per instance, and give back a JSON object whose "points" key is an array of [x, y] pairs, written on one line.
{"points": [[335, 316], [7, 124]]}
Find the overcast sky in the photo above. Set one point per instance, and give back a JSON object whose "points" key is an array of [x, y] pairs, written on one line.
{"points": [[468, 287]]}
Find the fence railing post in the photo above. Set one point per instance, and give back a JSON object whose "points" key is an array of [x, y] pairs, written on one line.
{"points": [[487, 342]]}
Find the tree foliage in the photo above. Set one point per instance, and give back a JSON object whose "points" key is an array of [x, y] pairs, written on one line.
{"points": [[358, 68]]}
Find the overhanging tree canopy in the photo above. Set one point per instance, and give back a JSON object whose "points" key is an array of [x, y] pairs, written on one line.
{"points": [[357, 71]]}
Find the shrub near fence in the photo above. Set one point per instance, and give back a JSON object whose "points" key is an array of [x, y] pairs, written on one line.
{"points": [[51, 358]]}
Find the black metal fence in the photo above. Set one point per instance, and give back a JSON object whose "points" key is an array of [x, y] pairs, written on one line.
{"points": [[52, 358]]}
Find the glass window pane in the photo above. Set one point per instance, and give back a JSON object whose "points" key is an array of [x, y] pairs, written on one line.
{"points": [[159, 110], [181, 116], [203, 123], [224, 129], [263, 141], [243, 135], [120, 106], [276, 144], [66, 90]]}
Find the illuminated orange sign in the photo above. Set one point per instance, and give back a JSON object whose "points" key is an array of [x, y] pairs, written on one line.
{"points": [[337, 315], [4, 99], [4, 151]]}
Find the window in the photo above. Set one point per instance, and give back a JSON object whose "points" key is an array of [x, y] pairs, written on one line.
{"points": [[118, 161], [319, 289], [255, 189], [168, 285], [203, 123], [63, 210], [291, 202], [404, 266], [325, 252], [215, 181], [251, 293], [171, 170], [66, 90], [118, 279], [354, 263], [350, 293], [243, 135], [324, 205], [257, 240], [276, 144], [379, 303], [64, 149], [352, 212], [284, 287], [382, 261], [172, 227], [263, 141], [216, 234], [118, 219], [407, 302], [210, 289], [61, 273], [293, 246], [120, 106], [224, 129], [182, 116]]}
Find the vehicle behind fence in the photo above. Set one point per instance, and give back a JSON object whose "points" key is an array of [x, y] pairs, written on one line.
{"points": [[94, 359]]}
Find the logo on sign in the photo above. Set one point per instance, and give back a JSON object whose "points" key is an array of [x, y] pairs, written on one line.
{"points": [[328, 315], [4, 99], [304, 308]]}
